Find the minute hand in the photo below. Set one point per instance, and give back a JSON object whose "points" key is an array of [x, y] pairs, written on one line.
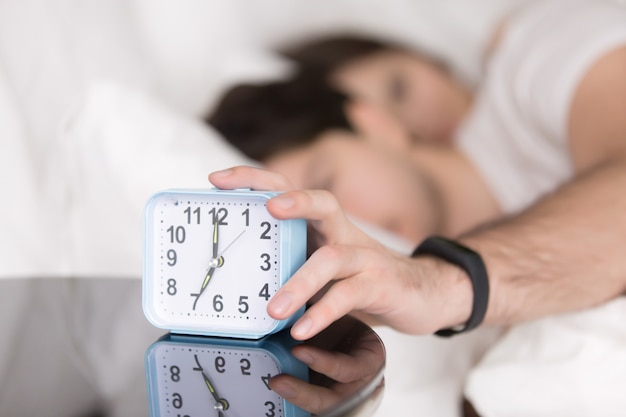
{"points": [[231, 243]]}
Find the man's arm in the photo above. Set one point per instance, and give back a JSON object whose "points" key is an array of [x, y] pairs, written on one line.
{"points": [[567, 252]]}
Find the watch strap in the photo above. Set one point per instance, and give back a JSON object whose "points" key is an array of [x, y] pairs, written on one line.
{"points": [[471, 262]]}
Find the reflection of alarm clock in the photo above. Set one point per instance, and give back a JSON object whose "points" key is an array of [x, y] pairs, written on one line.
{"points": [[214, 258], [201, 376]]}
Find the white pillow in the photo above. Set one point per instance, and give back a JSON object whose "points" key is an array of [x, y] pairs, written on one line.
{"points": [[197, 47], [121, 145]]}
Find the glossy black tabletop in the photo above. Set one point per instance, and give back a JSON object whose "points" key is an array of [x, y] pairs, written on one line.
{"points": [[82, 347]]}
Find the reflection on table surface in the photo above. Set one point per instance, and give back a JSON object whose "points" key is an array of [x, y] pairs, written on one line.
{"points": [[82, 347]]}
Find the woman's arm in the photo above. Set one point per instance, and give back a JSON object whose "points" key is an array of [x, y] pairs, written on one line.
{"points": [[567, 252]]}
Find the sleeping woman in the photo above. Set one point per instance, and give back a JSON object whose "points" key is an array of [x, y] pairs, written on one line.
{"points": [[404, 144], [327, 136]]}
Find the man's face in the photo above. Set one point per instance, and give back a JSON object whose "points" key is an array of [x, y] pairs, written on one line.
{"points": [[370, 182]]}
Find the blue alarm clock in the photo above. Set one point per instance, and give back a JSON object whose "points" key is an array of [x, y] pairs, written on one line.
{"points": [[214, 258]]}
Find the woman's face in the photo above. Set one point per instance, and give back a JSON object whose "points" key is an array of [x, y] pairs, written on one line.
{"points": [[423, 97], [370, 183]]}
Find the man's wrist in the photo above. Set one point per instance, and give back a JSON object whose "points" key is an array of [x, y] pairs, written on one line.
{"points": [[466, 295]]}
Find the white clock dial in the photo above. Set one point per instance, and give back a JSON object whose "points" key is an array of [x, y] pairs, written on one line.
{"points": [[213, 259]]}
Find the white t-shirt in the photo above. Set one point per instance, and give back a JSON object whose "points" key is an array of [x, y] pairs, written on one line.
{"points": [[573, 364], [517, 135]]}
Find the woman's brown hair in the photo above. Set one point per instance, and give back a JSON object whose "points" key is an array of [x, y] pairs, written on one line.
{"points": [[262, 120]]}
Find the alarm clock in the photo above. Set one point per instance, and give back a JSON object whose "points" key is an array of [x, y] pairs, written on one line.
{"points": [[214, 258], [219, 377]]}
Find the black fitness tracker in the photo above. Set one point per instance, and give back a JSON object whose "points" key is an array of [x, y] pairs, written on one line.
{"points": [[469, 261]]}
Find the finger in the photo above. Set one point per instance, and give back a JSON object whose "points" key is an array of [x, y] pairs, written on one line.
{"points": [[314, 205], [250, 177], [340, 300], [312, 398], [325, 265], [341, 367], [324, 213]]}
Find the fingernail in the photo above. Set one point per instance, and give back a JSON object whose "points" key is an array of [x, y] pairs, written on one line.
{"points": [[284, 202], [223, 173], [301, 329], [280, 304]]}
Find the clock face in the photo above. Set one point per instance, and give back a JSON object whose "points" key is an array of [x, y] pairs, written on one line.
{"points": [[207, 381], [213, 261]]}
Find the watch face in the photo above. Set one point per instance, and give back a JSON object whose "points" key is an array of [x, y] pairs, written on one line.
{"points": [[214, 259], [205, 380]]}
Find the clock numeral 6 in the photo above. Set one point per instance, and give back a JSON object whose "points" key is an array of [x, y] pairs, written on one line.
{"points": [[218, 305], [177, 400], [220, 364]]}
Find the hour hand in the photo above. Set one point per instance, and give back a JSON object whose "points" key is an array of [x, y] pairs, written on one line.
{"points": [[205, 284], [215, 238], [221, 404]]}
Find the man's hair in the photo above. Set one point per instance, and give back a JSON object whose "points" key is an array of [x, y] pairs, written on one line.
{"points": [[264, 119]]}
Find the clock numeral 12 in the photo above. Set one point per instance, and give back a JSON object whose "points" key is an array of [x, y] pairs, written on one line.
{"points": [[219, 216]]}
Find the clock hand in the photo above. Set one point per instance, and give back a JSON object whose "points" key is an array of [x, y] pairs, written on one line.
{"points": [[231, 244], [214, 263], [205, 284], [215, 238], [221, 404], [216, 260]]}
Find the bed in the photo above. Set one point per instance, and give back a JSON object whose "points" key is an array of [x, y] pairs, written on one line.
{"points": [[101, 105]]}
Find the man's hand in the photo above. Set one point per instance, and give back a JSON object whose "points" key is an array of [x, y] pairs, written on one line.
{"points": [[350, 371], [356, 273]]}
